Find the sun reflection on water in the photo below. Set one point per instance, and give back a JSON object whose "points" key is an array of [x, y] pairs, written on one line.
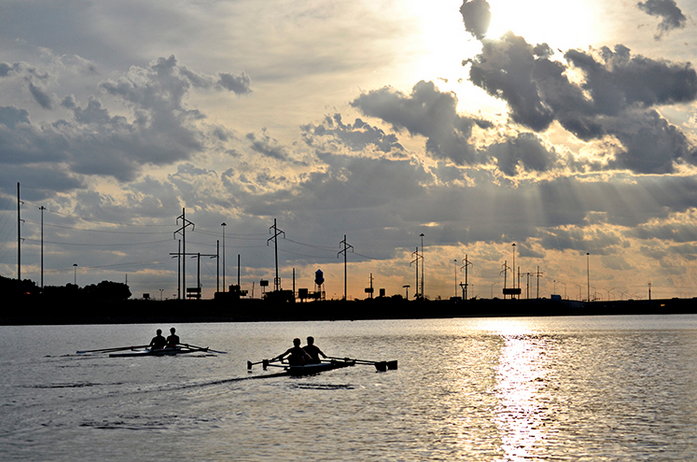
{"points": [[520, 382]]}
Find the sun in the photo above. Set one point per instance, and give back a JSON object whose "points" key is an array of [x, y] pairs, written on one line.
{"points": [[561, 24]]}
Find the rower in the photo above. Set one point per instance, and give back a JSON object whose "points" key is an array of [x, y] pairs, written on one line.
{"points": [[172, 339], [313, 351], [158, 342], [297, 356]]}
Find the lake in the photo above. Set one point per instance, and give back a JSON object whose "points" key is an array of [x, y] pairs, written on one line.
{"points": [[479, 389]]}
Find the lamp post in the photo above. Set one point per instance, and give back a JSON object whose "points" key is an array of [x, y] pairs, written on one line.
{"points": [[224, 225], [75, 273], [455, 277], [513, 269], [588, 274], [423, 296]]}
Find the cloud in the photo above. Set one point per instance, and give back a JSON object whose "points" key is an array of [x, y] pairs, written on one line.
{"points": [[358, 136], [477, 16], [141, 119], [614, 97], [40, 96], [506, 69], [428, 112], [11, 116], [526, 151], [669, 12]]}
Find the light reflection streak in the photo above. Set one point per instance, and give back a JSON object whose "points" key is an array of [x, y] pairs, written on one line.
{"points": [[520, 414]]}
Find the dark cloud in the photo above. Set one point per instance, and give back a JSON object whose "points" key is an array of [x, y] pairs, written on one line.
{"points": [[669, 12], [40, 96], [240, 84], [651, 144], [6, 69], [477, 16], [428, 112], [267, 146], [11, 116], [616, 79], [157, 127], [525, 151], [506, 69], [615, 97]]}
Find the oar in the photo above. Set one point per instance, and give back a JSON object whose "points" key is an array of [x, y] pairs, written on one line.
{"points": [[205, 348], [381, 366], [106, 350], [264, 362]]}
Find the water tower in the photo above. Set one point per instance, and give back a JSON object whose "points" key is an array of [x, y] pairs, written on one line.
{"points": [[319, 280]]}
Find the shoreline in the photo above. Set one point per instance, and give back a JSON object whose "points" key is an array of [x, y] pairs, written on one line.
{"points": [[36, 311]]}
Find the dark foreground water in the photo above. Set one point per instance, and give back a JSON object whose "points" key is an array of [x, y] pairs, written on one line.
{"points": [[591, 388]]}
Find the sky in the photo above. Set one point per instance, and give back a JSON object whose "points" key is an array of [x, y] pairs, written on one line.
{"points": [[561, 135]]}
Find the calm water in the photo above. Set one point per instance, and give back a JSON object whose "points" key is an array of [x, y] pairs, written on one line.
{"points": [[592, 388]]}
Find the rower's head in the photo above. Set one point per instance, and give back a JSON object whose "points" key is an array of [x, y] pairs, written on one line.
{"points": [[310, 340], [172, 330], [159, 331], [296, 341]]}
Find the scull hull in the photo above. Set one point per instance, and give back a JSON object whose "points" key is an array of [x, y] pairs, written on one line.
{"points": [[310, 369], [162, 352]]}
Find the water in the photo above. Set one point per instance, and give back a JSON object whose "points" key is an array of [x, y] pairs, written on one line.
{"points": [[587, 388]]}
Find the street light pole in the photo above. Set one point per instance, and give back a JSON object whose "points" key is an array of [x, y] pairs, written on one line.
{"points": [[588, 274], [224, 286], [423, 296]]}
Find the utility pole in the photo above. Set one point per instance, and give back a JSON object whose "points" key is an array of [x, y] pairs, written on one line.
{"points": [[343, 251], [185, 224], [505, 277], [276, 232], [465, 264]]}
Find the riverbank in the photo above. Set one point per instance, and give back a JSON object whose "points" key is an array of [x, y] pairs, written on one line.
{"points": [[37, 311]]}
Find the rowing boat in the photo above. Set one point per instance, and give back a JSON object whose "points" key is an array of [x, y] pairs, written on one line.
{"points": [[309, 369], [159, 352]]}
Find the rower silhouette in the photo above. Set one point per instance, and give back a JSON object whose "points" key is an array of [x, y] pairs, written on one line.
{"points": [[172, 339], [296, 355], [313, 351], [158, 342]]}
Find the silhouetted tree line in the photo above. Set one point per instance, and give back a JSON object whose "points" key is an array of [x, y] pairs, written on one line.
{"points": [[105, 290]]}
